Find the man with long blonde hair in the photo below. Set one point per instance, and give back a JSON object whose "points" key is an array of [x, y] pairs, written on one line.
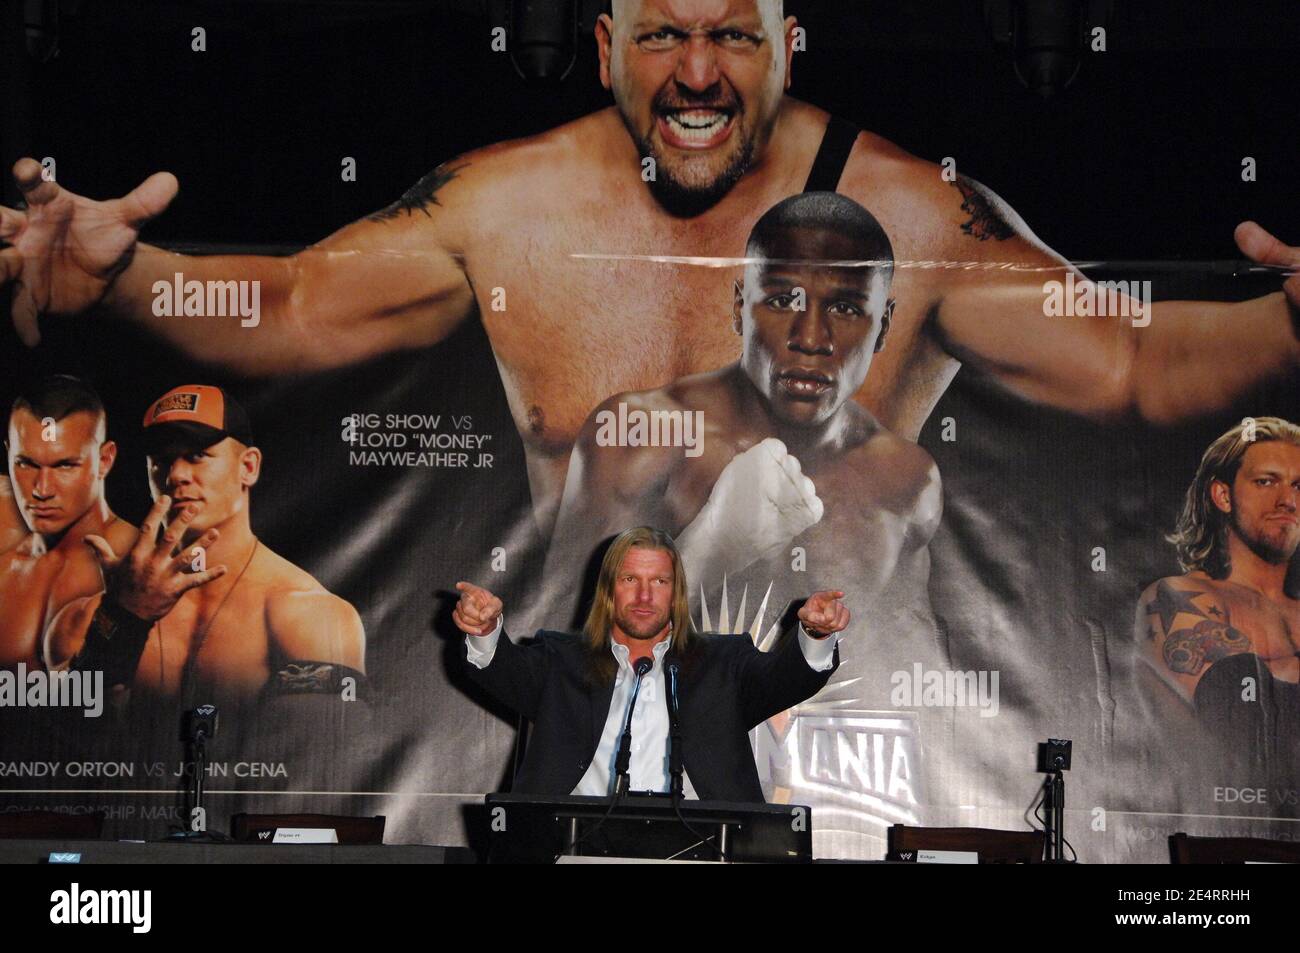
{"points": [[577, 689], [1230, 622]]}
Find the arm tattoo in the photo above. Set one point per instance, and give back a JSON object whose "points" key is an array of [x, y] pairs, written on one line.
{"points": [[985, 222], [421, 195], [1190, 649]]}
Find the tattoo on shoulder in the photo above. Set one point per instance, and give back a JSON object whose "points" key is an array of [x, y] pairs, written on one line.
{"points": [[1189, 647], [1190, 650], [421, 195], [1170, 602], [985, 222]]}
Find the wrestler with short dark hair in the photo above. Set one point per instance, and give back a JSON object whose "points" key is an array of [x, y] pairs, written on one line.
{"points": [[59, 456], [199, 609]]}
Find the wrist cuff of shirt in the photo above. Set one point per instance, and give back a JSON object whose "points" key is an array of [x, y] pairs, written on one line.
{"points": [[481, 649], [814, 635]]}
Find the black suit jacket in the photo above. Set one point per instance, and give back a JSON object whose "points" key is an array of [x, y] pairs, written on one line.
{"points": [[725, 687]]}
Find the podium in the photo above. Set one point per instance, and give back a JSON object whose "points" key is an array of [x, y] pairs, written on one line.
{"points": [[525, 828]]}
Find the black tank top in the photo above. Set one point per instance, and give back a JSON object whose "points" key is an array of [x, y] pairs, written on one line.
{"points": [[1262, 734], [832, 157]]}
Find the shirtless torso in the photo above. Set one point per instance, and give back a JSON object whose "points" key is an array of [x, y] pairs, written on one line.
{"points": [[880, 494], [225, 641], [646, 323], [35, 583], [494, 234], [1187, 623]]}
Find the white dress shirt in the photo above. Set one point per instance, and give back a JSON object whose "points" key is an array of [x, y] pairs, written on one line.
{"points": [[650, 727]]}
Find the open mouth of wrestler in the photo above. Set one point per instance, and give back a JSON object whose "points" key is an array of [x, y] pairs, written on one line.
{"points": [[695, 126]]}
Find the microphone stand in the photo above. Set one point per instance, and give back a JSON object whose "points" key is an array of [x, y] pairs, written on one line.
{"points": [[675, 766], [623, 761], [197, 726], [1056, 812]]}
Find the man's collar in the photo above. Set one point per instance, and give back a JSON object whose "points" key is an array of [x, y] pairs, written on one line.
{"points": [[622, 652]]}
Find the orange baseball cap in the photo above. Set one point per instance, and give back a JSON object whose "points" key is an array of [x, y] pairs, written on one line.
{"points": [[196, 416]]}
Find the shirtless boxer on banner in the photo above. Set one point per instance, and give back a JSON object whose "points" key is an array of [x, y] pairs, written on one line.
{"points": [[785, 454], [196, 607], [786, 458], [699, 88], [59, 456]]}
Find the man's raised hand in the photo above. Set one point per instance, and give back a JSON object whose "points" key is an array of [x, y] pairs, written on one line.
{"points": [[66, 249], [477, 611], [823, 614], [150, 579]]}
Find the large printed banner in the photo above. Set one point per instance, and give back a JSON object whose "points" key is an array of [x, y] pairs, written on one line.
{"points": [[251, 451]]}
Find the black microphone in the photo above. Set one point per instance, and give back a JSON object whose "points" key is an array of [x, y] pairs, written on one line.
{"points": [[674, 732], [623, 762], [199, 724], [675, 766]]}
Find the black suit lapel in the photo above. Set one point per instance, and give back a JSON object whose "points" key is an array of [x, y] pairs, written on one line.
{"points": [[601, 697]]}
